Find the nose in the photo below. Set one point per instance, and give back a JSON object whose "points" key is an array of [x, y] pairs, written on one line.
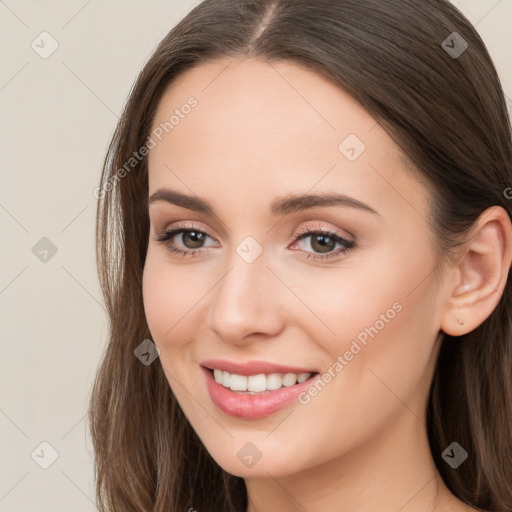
{"points": [[247, 301]]}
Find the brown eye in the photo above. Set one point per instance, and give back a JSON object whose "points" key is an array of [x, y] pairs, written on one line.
{"points": [[191, 243], [192, 239], [323, 243]]}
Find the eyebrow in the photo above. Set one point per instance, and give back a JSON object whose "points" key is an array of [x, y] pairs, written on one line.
{"points": [[280, 206]]}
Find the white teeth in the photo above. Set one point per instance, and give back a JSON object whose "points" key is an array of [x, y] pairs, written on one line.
{"points": [[290, 379], [218, 375], [274, 381], [238, 382], [258, 383], [302, 377]]}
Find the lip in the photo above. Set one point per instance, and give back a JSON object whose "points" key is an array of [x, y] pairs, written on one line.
{"points": [[251, 407], [253, 367]]}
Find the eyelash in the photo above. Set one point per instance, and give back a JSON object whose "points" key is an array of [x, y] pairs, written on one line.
{"points": [[166, 235]]}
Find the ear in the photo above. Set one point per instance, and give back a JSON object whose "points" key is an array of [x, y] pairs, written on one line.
{"points": [[480, 274]]}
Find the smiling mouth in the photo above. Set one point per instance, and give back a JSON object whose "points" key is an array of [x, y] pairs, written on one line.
{"points": [[260, 383], [255, 396]]}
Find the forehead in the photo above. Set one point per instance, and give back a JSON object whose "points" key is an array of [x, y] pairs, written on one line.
{"points": [[275, 102], [259, 126]]}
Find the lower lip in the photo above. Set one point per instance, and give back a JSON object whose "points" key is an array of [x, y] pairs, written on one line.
{"points": [[243, 405]]}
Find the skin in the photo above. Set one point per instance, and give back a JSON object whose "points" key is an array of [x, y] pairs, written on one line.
{"points": [[262, 131]]}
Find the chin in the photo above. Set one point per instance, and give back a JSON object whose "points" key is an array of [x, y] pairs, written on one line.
{"points": [[246, 460]]}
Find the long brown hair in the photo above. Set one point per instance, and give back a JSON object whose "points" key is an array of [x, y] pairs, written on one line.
{"points": [[447, 113]]}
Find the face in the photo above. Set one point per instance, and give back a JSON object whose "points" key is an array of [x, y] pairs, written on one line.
{"points": [[268, 290]]}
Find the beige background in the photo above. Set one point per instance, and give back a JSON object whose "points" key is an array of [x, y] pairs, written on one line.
{"points": [[57, 116]]}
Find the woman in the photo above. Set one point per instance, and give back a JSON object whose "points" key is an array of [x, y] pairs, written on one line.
{"points": [[304, 242]]}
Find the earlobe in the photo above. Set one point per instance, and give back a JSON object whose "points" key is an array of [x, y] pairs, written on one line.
{"points": [[482, 270]]}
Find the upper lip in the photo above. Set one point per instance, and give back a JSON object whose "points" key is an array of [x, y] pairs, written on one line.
{"points": [[253, 367]]}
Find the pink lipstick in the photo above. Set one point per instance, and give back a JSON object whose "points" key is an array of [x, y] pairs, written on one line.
{"points": [[255, 389]]}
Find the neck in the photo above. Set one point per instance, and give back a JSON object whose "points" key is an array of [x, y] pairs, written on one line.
{"points": [[393, 471]]}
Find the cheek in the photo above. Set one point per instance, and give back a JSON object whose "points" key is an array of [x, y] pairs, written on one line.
{"points": [[362, 300], [383, 324], [169, 296], [385, 297], [386, 334]]}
